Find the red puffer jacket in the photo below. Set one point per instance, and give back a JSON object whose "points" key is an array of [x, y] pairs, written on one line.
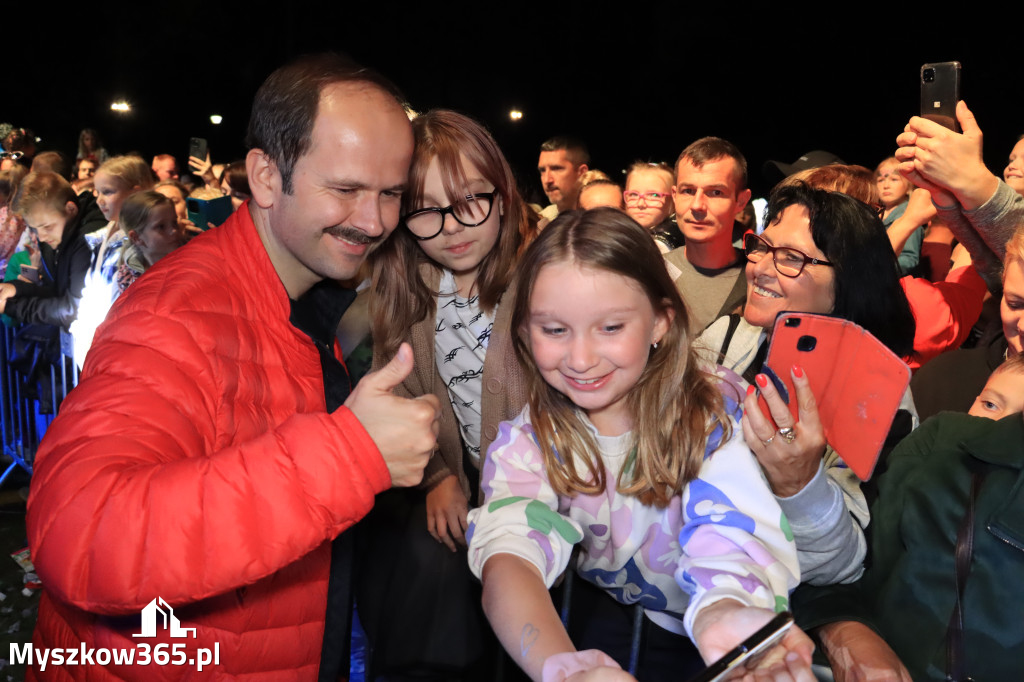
{"points": [[196, 462]]}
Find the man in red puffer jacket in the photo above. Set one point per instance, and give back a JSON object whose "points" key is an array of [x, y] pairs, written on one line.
{"points": [[213, 450]]}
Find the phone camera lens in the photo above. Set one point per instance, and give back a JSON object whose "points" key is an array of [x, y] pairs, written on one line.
{"points": [[928, 76]]}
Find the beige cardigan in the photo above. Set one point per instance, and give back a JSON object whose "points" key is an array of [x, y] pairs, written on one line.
{"points": [[503, 393]]}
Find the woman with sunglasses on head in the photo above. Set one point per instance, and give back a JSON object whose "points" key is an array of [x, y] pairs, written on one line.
{"points": [[441, 283], [821, 252]]}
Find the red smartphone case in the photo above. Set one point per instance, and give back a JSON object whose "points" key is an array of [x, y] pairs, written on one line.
{"points": [[857, 382]]}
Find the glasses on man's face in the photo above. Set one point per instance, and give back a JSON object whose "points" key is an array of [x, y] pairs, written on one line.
{"points": [[427, 223], [788, 262], [655, 199], [13, 156]]}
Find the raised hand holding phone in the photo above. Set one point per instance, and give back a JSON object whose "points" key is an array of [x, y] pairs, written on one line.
{"points": [[854, 386]]}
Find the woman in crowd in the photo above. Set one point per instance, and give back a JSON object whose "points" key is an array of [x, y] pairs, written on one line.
{"points": [[234, 182], [821, 252]]}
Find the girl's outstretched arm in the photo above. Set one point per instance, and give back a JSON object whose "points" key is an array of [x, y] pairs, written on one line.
{"points": [[520, 611]]}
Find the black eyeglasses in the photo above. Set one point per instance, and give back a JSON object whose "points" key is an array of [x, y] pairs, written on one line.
{"points": [[427, 223], [788, 262]]}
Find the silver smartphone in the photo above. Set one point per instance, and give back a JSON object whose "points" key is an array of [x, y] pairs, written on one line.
{"points": [[749, 651]]}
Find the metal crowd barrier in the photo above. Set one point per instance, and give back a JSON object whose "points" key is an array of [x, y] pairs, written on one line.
{"points": [[26, 406]]}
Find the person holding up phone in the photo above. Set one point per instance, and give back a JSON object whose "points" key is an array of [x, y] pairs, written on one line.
{"points": [[981, 210], [821, 252]]}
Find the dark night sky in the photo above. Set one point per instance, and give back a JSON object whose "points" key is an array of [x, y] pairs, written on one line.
{"points": [[635, 80]]}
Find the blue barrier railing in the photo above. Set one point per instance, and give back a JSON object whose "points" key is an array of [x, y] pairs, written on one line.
{"points": [[28, 403]]}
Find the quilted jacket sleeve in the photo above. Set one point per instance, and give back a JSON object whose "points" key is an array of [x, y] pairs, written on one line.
{"points": [[165, 475]]}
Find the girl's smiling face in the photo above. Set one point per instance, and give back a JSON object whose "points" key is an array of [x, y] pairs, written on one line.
{"points": [[590, 333], [770, 292]]}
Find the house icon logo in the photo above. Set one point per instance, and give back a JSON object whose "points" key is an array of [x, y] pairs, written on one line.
{"points": [[166, 617]]}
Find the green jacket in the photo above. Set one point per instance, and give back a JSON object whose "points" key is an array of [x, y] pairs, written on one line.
{"points": [[909, 591]]}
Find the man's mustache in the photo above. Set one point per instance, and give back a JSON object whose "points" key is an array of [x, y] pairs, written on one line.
{"points": [[350, 234]]}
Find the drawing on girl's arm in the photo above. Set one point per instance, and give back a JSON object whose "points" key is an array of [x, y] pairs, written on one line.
{"points": [[527, 639]]}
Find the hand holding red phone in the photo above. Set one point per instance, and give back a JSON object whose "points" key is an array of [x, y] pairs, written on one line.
{"points": [[789, 450]]}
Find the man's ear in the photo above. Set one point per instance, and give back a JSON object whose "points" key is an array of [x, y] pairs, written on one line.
{"points": [[264, 178], [70, 209], [741, 201], [581, 169]]}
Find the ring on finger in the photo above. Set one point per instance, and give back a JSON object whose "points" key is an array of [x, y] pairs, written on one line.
{"points": [[768, 440], [787, 433]]}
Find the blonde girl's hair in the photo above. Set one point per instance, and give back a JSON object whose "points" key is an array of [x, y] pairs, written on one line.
{"points": [[675, 404], [400, 296], [132, 171]]}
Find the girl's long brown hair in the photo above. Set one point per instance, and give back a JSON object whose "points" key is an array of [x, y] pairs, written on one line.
{"points": [[400, 296], [674, 405]]}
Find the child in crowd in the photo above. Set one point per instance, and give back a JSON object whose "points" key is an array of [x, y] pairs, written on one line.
{"points": [[151, 223], [114, 182], [51, 209], [627, 448], [894, 194], [1003, 393], [441, 282], [953, 478]]}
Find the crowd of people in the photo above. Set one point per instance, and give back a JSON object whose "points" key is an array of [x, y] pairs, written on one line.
{"points": [[577, 388]]}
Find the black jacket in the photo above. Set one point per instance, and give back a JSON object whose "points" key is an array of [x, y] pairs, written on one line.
{"points": [[62, 275]]}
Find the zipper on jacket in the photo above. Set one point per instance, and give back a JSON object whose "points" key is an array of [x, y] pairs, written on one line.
{"points": [[1004, 538]]}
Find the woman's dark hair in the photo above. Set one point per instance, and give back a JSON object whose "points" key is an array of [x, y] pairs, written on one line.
{"points": [[867, 274], [237, 177]]}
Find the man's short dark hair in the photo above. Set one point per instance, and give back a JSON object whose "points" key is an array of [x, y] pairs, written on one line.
{"points": [[574, 148], [708, 149], [286, 105]]}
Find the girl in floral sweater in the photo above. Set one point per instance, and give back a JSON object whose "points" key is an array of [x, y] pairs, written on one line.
{"points": [[627, 448]]}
